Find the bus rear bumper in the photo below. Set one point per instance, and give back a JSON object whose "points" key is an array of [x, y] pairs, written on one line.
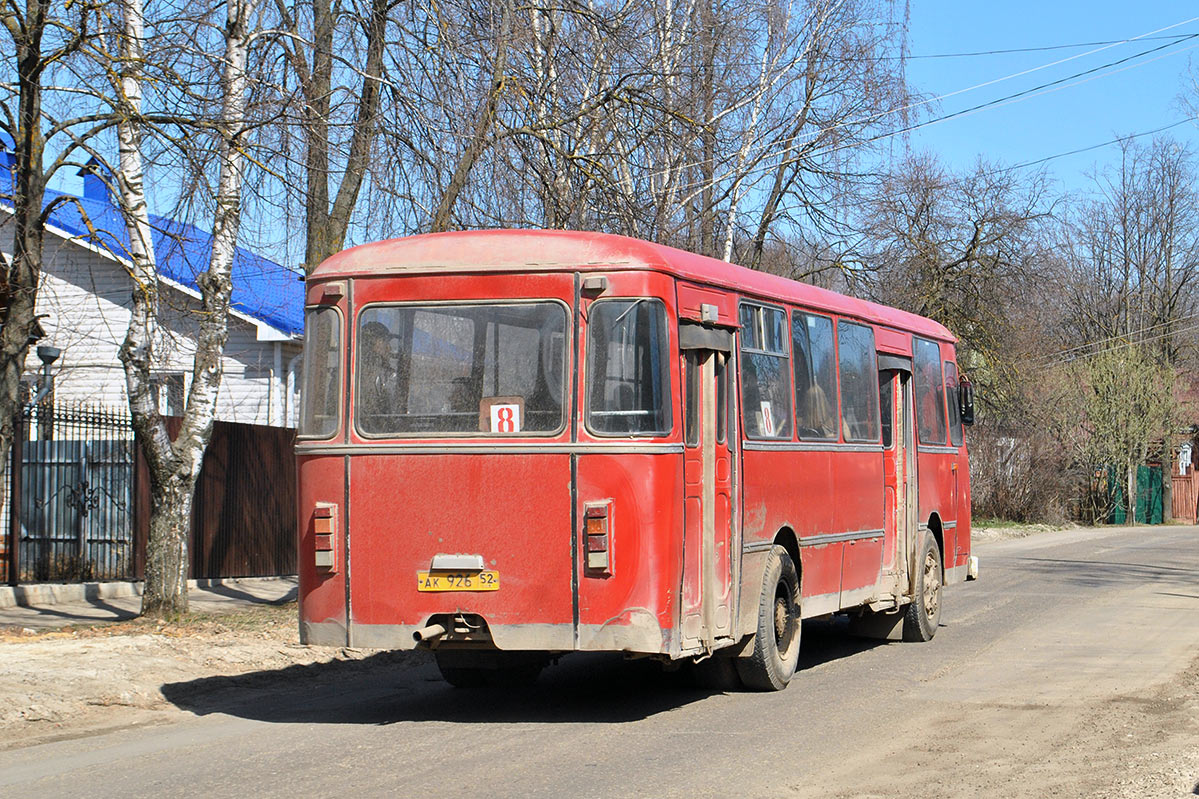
{"points": [[640, 634]]}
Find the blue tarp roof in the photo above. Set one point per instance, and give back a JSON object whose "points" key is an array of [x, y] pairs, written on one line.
{"points": [[262, 288]]}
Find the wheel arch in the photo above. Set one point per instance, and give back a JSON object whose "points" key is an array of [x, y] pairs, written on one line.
{"points": [[787, 539], [752, 572], [935, 527]]}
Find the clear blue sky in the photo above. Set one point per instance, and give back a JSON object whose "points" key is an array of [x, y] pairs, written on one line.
{"points": [[1144, 96]]}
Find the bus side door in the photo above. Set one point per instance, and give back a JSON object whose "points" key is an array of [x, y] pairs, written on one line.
{"points": [[710, 540]]}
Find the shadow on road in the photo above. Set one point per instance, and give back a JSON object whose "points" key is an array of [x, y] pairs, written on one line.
{"points": [[391, 687], [231, 592], [105, 611]]}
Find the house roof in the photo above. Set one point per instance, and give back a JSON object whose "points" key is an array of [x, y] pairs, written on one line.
{"points": [[263, 290]]}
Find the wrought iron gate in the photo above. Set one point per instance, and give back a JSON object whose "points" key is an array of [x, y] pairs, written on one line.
{"points": [[76, 499]]}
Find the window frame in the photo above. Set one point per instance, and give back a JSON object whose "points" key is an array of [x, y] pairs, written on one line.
{"points": [[567, 343], [343, 368], [668, 400]]}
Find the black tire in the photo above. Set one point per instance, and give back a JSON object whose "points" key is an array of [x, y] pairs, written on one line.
{"points": [[495, 669], [924, 613], [775, 656]]}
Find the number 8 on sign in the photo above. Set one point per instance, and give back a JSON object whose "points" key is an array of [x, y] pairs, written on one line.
{"points": [[505, 418]]}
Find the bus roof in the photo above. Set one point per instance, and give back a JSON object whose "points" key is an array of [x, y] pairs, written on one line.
{"points": [[552, 250]]}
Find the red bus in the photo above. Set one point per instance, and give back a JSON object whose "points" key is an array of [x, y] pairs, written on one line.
{"points": [[518, 444]]}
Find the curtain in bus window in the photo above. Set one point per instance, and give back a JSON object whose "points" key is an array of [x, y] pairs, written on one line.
{"points": [[322, 373], [628, 388], [859, 382], [491, 369], [815, 377], [765, 382], [930, 392], [953, 403]]}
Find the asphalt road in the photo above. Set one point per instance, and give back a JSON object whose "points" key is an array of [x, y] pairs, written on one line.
{"points": [[1069, 669]]}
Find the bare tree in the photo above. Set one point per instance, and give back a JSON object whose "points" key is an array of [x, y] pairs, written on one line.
{"points": [[44, 36], [174, 465], [1132, 258], [321, 42], [955, 248]]}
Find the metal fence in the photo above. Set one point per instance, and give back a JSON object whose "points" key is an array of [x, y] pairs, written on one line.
{"points": [[79, 505], [76, 494]]}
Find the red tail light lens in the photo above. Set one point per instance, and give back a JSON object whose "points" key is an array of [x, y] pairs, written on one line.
{"points": [[324, 528], [597, 538]]}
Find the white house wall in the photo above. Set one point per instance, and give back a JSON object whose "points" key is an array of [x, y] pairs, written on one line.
{"points": [[86, 297]]}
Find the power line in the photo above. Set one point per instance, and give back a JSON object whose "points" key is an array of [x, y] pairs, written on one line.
{"points": [[1040, 49], [1025, 93], [1107, 143], [1124, 344], [771, 147], [1019, 96], [1124, 339]]}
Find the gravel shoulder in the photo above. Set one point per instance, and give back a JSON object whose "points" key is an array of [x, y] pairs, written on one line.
{"points": [[79, 680]]}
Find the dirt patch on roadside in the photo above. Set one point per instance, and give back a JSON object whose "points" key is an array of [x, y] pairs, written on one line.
{"points": [[76, 680], [983, 533], [1121, 747]]}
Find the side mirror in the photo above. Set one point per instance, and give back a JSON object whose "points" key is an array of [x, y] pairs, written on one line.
{"points": [[966, 400]]}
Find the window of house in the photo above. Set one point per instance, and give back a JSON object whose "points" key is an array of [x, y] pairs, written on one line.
{"points": [[765, 378], [167, 388]]}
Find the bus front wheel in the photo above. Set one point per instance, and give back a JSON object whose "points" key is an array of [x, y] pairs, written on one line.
{"points": [[924, 613], [775, 655]]}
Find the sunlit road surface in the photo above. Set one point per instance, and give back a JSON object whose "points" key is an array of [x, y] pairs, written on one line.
{"points": [[1068, 669]]}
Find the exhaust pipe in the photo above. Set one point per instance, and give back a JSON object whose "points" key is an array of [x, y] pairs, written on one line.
{"points": [[428, 633]]}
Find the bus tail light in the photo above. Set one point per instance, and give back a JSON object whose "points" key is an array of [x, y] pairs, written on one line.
{"points": [[597, 538], [324, 527]]}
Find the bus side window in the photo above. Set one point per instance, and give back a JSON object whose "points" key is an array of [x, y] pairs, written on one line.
{"points": [[765, 373], [954, 403], [722, 392], [815, 377], [628, 383], [859, 370], [691, 418], [886, 387], [319, 411], [930, 392]]}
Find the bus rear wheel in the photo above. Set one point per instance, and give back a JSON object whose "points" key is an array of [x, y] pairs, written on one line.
{"points": [[924, 613], [775, 655]]}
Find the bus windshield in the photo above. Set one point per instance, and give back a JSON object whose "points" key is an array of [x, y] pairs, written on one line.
{"points": [[490, 369]]}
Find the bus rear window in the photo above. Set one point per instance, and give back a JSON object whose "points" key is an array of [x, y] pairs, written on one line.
{"points": [[487, 369], [322, 373], [627, 383]]}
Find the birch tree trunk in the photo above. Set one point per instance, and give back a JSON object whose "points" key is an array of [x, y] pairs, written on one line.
{"points": [[175, 465]]}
